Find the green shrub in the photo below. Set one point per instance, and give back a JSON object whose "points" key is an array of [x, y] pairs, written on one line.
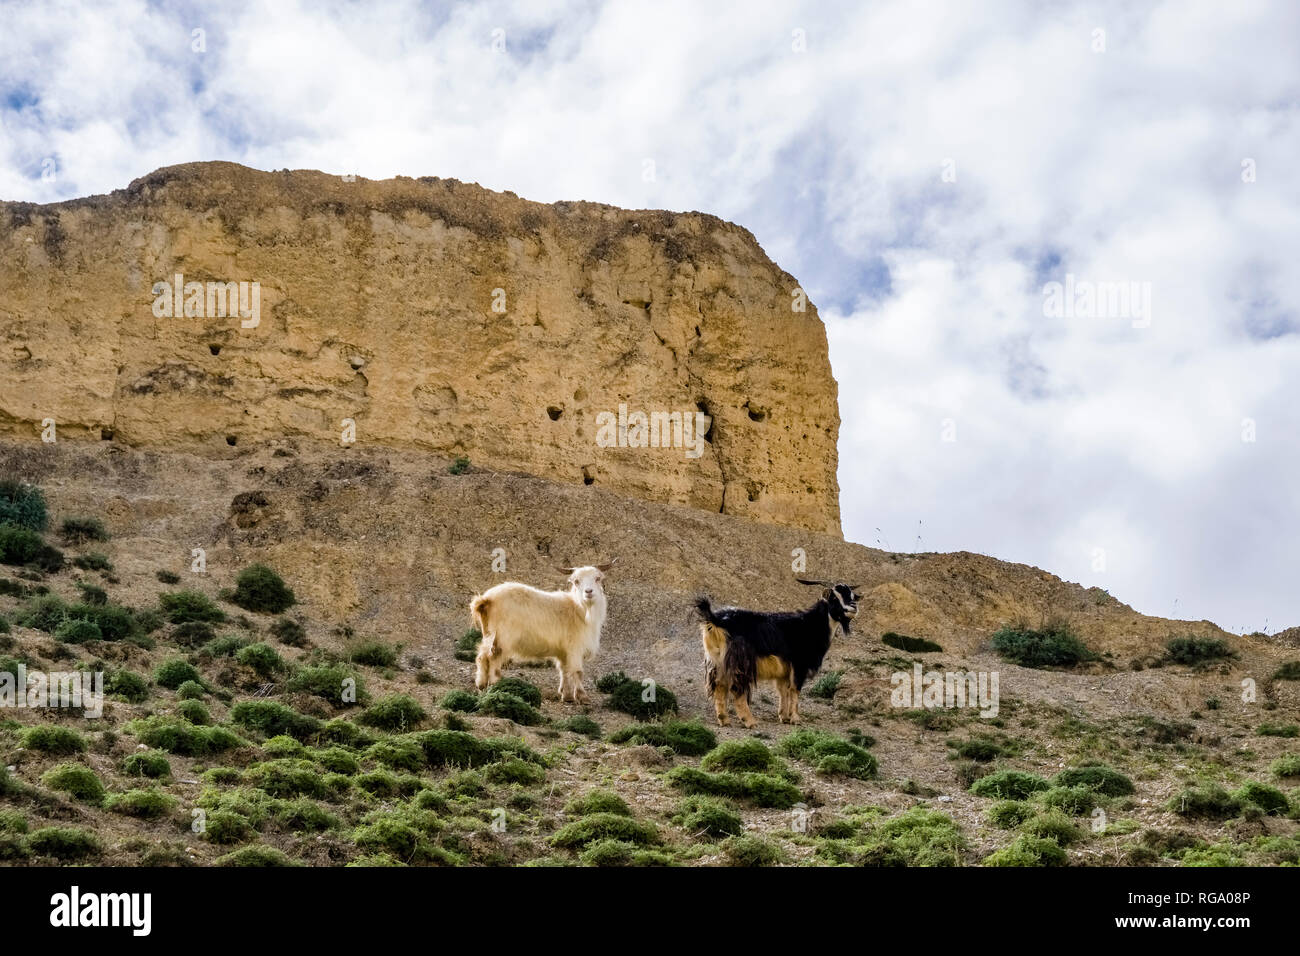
{"points": [[459, 466], [1197, 650], [77, 630], [193, 634], [262, 658], [190, 690], [757, 788], [167, 577], [831, 755], [1288, 671], [705, 816], [1098, 778], [336, 760], [467, 646], [918, 837], [304, 816], [336, 683], [689, 738], [459, 700], [21, 546], [290, 632], [394, 712], [580, 724], [145, 804], [642, 701], [22, 505], [194, 712], [172, 673], [1288, 766], [739, 756], [224, 646], [115, 623], [93, 561], [608, 853], [514, 770], [372, 654], [283, 746], [597, 801], [53, 740], [148, 763], [271, 719], [1210, 801], [1008, 785], [261, 590], [255, 856], [287, 777], [1052, 825], [1269, 799], [1076, 801], [1278, 730], [64, 843], [826, 685], [748, 850], [182, 738], [913, 645], [501, 703], [605, 826], [456, 748], [80, 530], [1009, 814], [979, 750], [398, 753], [1055, 645], [44, 612], [179, 607], [92, 593], [520, 688], [11, 821], [128, 685], [1028, 851], [81, 782]]}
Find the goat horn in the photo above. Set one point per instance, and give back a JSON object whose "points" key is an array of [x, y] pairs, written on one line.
{"points": [[606, 567], [818, 583], [568, 570]]}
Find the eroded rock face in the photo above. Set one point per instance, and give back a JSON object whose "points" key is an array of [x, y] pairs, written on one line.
{"points": [[432, 314]]}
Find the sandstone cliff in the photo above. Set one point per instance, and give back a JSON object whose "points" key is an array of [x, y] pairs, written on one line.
{"points": [[377, 305]]}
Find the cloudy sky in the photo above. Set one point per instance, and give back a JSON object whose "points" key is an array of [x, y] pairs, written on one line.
{"points": [[925, 169]]}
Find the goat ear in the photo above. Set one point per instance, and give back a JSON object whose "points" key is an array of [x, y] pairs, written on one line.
{"points": [[606, 567], [826, 594]]}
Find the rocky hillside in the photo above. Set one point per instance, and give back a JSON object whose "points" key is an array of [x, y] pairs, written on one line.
{"points": [[383, 548], [435, 316]]}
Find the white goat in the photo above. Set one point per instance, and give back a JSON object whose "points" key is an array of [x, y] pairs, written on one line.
{"points": [[519, 622]]}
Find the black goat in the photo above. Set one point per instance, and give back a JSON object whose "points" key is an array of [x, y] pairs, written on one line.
{"points": [[744, 647]]}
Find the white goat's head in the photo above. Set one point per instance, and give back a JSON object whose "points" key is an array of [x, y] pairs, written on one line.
{"points": [[586, 584]]}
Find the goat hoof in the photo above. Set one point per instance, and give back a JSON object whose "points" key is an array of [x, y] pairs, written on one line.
{"points": [[750, 724]]}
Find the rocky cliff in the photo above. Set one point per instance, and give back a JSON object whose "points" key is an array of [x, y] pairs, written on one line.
{"points": [[422, 314]]}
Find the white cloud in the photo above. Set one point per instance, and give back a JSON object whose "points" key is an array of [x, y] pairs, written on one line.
{"points": [[1072, 434]]}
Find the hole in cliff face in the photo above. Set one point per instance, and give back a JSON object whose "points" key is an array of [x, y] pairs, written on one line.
{"points": [[356, 361], [587, 477], [753, 490], [580, 395], [106, 434], [232, 440], [704, 407], [554, 412], [756, 414], [214, 349]]}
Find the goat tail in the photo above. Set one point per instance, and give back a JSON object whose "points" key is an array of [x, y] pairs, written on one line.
{"points": [[478, 609]]}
